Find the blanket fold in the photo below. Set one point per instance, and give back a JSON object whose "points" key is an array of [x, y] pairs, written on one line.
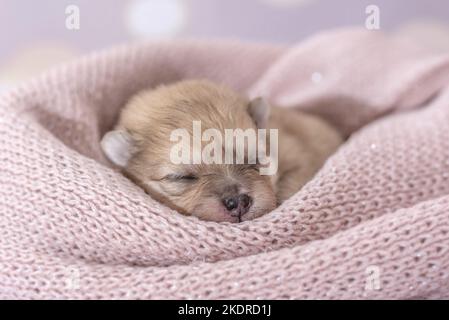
{"points": [[371, 224]]}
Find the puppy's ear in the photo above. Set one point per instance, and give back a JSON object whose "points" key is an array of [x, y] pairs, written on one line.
{"points": [[259, 110], [118, 146]]}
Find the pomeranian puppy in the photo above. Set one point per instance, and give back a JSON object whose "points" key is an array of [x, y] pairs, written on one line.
{"points": [[143, 140]]}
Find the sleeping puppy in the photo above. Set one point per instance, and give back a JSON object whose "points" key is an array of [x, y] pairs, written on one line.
{"points": [[148, 130]]}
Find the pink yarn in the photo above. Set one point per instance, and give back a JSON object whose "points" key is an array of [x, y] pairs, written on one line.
{"points": [[73, 228]]}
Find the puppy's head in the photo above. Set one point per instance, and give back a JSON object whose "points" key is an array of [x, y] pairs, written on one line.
{"points": [[142, 144]]}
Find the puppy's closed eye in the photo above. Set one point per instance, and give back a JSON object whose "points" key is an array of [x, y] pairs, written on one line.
{"points": [[176, 184], [181, 177]]}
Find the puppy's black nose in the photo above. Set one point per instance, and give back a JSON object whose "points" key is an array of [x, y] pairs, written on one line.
{"points": [[245, 202], [238, 204]]}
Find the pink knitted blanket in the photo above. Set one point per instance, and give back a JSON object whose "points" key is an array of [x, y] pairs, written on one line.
{"points": [[373, 223]]}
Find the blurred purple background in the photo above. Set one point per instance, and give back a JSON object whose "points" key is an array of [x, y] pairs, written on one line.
{"points": [[35, 35]]}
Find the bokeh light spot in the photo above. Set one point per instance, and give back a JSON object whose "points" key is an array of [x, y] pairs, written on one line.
{"points": [[155, 18]]}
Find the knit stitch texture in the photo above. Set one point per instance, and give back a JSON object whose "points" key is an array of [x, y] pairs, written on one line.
{"points": [[372, 224]]}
